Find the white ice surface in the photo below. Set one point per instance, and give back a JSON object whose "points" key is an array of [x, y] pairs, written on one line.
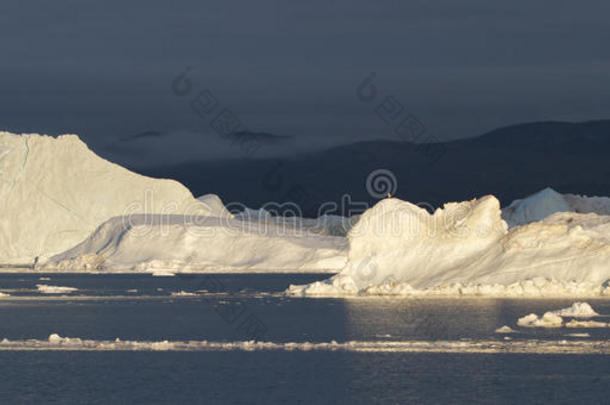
{"points": [[182, 293], [577, 310], [162, 244], [53, 289], [55, 191], [505, 329], [548, 320], [535, 207], [555, 319], [397, 248], [214, 206], [546, 202]]}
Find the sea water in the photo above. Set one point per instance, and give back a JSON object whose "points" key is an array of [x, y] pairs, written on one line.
{"points": [[252, 344]]}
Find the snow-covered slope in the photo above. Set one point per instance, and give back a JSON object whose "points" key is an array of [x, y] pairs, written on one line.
{"points": [[466, 248], [55, 191], [200, 243]]}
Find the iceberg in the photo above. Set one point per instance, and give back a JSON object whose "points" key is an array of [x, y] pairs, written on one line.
{"points": [[547, 202], [554, 319], [214, 206], [67, 209], [505, 330], [535, 207], [548, 320], [176, 243], [577, 310], [54, 192], [398, 248]]}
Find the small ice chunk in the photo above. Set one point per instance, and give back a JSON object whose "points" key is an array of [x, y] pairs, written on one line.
{"points": [[548, 320], [53, 289], [55, 338], [162, 273], [582, 335], [505, 329], [182, 293], [577, 310]]}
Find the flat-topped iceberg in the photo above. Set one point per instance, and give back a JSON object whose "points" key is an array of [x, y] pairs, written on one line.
{"points": [[153, 243]]}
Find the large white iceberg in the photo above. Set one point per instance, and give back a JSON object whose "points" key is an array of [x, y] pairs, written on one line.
{"points": [[467, 248], [179, 243], [55, 191]]}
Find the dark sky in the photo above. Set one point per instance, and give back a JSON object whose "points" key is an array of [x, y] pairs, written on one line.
{"points": [[104, 69]]}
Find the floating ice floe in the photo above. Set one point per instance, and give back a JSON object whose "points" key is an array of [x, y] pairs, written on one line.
{"points": [[505, 329], [548, 320], [53, 289], [579, 335], [182, 293], [554, 319], [57, 342], [577, 310], [162, 273]]}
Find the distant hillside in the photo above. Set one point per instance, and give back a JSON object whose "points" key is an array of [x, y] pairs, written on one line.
{"points": [[508, 162]]}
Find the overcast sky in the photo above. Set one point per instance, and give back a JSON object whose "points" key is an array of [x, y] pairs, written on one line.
{"points": [[104, 70]]}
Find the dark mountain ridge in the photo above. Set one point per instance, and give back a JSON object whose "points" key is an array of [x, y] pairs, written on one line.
{"points": [[509, 162]]}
